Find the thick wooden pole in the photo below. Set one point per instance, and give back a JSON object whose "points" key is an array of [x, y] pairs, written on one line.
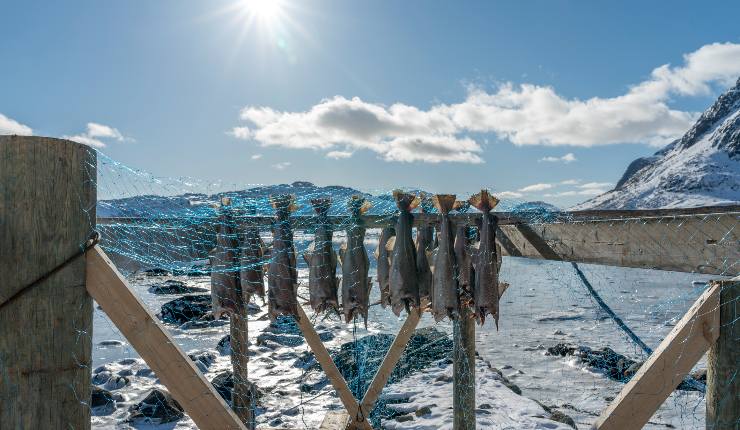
{"points": [[242, 396], [47, 212], [723, 378], [464, 370]]}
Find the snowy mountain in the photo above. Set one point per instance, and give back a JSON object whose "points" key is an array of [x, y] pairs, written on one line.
{"points": [[702, 168]]}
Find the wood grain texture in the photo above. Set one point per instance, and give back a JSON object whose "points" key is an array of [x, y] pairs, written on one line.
{"points": [[723, 380], [242, 396], [463, 384], [666, 367], [155, 345], [47, 212]]}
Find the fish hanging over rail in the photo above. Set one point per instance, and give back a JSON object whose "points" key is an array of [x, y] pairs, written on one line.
{"points": [[356, 284], [424, 244], [282, 277], [251, 271], [404, 279], [485, 261], [322, 261], [382, 255], [444, 282], [226, 293], [465, 271]]}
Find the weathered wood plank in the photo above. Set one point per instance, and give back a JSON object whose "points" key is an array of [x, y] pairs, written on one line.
{"points": [[155, 345], [708, 244], [666, 367], [389, 362], [463, 387], [47, 212], [723, 382], [330, 369], [335, 420], [242, 396]]}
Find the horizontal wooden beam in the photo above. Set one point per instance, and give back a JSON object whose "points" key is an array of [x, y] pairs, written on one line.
{"points": [[666, 367], [155, 345], [700, 240]]}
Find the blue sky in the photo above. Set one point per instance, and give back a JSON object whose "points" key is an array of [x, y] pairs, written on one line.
{"points": [[444, 96]]}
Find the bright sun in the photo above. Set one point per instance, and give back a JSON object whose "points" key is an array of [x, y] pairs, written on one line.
{"points": [[265, 11]]}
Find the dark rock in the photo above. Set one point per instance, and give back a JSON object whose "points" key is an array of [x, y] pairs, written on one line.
{"points": [[284, 325], [224, 345], [404, 418], [282, 339], [614, 365], [126, 372], [156, 271], [116, 382], [562, 418], [424, 410], [145, 372], [485, 406], [173, 286], [101, 377], [100, 397], [128, 361], [187, 308], [157, 407], [111, 342], [513, 387], [224, 385]]}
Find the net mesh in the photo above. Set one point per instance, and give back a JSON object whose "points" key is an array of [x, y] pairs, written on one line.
{"points": [[215, 264]]}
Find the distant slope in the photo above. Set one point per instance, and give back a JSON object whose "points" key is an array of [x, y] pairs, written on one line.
{"points": [[700, 169]]}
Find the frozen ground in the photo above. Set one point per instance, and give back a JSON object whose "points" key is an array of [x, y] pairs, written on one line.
{"points": [[545, 305]]}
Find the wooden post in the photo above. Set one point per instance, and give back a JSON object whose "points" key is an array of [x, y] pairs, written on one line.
{"points": [[723, 379], [47, 212], [242, 396], [155, 345], [463, 400]]}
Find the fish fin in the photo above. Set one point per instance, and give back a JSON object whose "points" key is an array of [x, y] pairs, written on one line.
{"points": [[444, 202], [342, 251], [483, 201], [405, 201], [461, 206], [307, 258], [225, 201], [502, 286], [365, 207], [414, 203]]}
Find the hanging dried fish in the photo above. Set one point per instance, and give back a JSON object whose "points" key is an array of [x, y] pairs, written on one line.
{"points": [[444, 287], [225, 287], [404, 279], [462, 256], [485, 260], [252, 259], [382, 255], [282, 277], [322, 261], [424, 244], [356, 284]]}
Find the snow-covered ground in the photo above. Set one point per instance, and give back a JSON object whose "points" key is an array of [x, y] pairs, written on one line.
{"points": [[545, 305]]}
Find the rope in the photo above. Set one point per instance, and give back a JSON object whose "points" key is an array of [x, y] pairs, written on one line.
{"points": [[92, 240], [687, 380]]}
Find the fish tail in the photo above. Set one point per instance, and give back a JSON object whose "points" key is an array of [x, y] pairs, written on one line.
{"points": [[483, 201], [283, 202], [321, 205], [405, 201], [444, 202]]}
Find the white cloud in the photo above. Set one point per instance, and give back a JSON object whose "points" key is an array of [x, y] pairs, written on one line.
{"points": [[95, 132], [11, 126], [339, 154], [526, 114], [567, 158], [240, 132], [596, 185], [281, 165], [570, 182], [509, 195], [536, 187], [256, 156]]}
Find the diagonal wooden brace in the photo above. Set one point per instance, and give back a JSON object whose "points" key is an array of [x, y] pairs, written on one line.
{"points": [[358, 413]]}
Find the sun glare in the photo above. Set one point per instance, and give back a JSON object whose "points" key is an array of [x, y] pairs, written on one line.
{"points": [[265, 11]]}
